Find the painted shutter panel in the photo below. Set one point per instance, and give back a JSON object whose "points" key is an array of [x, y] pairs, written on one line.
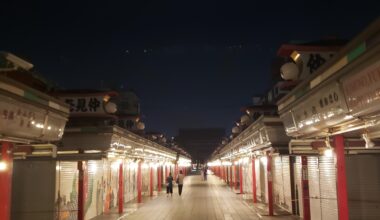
{"points": [[67, 190], [95, 201]]}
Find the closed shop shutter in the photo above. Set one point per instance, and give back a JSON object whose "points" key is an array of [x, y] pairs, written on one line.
{"points": [[314, 191], [258, 181], [263, 179], [363, 186], [327, 178], [287, 205], [278, 193], [115, 184], [298, 184], [155, 178], [145, 179], [67, 190], [33, 190], [96, 188], [247, 177]]}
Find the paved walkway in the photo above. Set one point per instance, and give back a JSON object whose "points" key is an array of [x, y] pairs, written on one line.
{"points": [[201, 200]]}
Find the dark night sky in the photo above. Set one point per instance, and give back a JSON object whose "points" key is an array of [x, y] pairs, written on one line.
{"points": [[203, 60]]}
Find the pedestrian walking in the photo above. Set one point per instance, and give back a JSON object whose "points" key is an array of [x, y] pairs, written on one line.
{"points": [[179, 181], [169, 185], [205, 173]]}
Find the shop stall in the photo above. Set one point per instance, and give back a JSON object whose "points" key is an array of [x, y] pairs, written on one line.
{"points": [[257, 163], [333, 119], [31, 123]]}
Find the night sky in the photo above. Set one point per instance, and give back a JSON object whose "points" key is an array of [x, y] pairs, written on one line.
{"points": [[192, 63]]}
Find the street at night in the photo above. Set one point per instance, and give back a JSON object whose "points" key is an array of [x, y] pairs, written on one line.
{"points": [[209, 110]]}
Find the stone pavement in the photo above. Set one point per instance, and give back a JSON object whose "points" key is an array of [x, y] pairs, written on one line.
{"points": [[208, 200]]}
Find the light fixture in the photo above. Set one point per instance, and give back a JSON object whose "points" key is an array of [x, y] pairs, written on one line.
{"points": [[3, 166], [328, 152], [368, 142]]}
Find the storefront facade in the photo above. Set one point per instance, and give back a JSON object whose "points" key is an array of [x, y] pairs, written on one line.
{"points": [[333, 120]]}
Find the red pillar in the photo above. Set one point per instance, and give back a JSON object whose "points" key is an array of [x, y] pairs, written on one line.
{"points": [[270, 183], [139, 183], [341, 178], [305, 189], [151, 181], [254, 181], [121, 188], [6, 180], [81, 168], [241, 178], [159, 178]]}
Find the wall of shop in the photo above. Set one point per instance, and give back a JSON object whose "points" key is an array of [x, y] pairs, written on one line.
{"points": [[31, 180], [363, 186]]}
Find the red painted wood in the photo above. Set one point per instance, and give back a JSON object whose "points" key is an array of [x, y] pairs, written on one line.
{"points": [[341, 178], [81, 168], [139, 183], [254, 181], [270, 184], [305, 189], [241, 178], [121, 189], [6, 181], [151, 182]]}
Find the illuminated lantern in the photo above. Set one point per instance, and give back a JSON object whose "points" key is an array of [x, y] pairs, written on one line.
{"points": [[289, 71], [244, 119], [110, 107], [235, 130], [140, 125]]}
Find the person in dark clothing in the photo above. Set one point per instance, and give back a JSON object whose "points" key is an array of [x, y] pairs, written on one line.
{"points": [[169, 185], [179, 181]]}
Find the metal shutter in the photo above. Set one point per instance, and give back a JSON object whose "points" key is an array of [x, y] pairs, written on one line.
{"points": [[96, 187], [298, 184], [286, 184], [363, 186], [314, 191], [67, 190], [278, 193], [258, 181], [247, 178], [327, 180]]}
